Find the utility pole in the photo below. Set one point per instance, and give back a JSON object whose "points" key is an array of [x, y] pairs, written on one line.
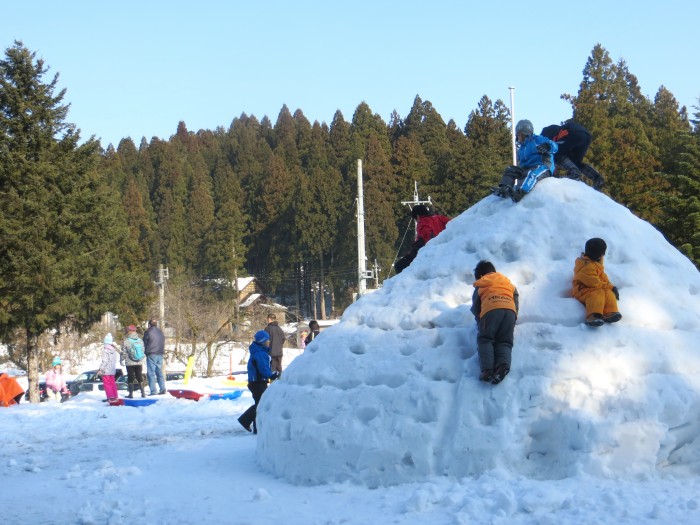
{"points": [[362, 273], [512, 124], [163, 275], [236, 291], [376, 274]]}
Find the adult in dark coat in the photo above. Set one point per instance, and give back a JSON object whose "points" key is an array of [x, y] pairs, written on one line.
{"points": [[154, 341], [277, 338], [573, 141], [428, 225]]}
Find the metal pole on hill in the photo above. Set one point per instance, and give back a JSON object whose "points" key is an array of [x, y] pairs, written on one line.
{"points": [[361, 257], [512, 124]]}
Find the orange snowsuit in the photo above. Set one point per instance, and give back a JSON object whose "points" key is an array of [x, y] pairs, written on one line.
{"points": [[592, 287], [9, 389]]}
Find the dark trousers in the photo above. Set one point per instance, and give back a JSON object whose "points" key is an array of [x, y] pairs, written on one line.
{"points": [[276, 364], [495, 338], [134, 374], [574, 146], [257, 388], [404, 262]]}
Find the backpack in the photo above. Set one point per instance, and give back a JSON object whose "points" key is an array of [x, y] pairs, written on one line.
{"points": [[136, 352]]}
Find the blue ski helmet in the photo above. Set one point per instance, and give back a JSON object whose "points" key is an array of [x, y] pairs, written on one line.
{"points": [[261, 336], [525, 128]]}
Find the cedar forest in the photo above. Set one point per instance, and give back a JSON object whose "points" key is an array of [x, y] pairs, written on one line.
{"points": [[83, 229]]}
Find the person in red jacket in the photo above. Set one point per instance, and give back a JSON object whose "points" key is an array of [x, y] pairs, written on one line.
{"points": [[428, 225]]}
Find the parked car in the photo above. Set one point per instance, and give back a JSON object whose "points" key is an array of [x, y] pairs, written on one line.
{"points": [[88, 382], [174, 376]]}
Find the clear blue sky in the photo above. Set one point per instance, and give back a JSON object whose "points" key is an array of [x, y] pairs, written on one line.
{"points": [[137, 68]]}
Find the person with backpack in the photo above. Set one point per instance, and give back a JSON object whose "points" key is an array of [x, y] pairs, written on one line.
{"points": [[535, 162], [428, 225], [133, 356], [573, 141], [259, 373]]}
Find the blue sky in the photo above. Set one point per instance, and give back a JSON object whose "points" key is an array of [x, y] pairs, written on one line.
{"points": [[137, 68]]}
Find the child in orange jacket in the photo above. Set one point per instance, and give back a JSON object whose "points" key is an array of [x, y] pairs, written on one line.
{"points": [[495, 308], [592, 287]]}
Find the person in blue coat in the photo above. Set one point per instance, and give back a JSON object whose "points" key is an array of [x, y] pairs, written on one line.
{"points": [[259, 374], [535, 162]]}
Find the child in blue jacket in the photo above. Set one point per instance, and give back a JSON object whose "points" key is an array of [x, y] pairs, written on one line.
{"points": [[535, 162], [259, 373]]}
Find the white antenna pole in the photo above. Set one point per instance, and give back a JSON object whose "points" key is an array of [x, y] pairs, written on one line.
{"points": [[416, 199], [512, 124], [361, 257]]}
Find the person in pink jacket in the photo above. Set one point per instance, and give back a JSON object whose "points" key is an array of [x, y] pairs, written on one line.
{"points": [[56, 386], [108, 368]]}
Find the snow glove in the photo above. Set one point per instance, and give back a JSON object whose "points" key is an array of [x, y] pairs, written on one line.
{"points": [[616, 293], [544, 148]]}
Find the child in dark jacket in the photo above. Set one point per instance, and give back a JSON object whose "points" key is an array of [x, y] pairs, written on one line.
{"points": [[495, 308], [592, 287], [259, 373], [315, 330]]}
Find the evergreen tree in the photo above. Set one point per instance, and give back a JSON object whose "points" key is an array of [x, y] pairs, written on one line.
{"points": [[610, 104], [225, 247], [169, 202], [682, 206], [61, 237], [488, 151], [317, 209], [200, 217]]}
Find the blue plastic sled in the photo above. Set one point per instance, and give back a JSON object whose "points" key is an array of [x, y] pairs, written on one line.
{"points": [[139, 402], [227, 395]]}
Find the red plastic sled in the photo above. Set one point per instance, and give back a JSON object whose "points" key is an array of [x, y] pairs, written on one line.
{"points": [[186, 394]]}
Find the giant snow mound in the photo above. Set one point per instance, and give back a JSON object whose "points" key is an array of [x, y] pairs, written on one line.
{"points": [[390, 394]]}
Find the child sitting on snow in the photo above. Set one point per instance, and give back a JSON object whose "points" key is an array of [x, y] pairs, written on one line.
{"points": [[593, 288], [495, 308]]}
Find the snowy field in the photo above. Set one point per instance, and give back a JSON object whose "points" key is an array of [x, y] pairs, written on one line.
{"points": [[382, 420]]}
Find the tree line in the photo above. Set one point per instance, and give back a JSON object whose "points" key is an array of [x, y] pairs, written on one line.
{"points": [[83, 229], [277, 200]]}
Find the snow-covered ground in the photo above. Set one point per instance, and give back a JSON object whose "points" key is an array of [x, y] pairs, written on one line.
{"points": [[383, 420]]}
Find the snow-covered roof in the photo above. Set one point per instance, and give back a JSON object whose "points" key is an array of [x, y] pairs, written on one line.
{"points": [[244, 281], [250, 300], [255, 296]]}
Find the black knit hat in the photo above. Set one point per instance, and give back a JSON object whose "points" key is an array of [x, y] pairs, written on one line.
{"points": [[420, 210], [595, 249], [482, 268]]}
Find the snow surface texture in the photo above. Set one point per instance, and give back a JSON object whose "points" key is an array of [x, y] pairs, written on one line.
{"points": [[390, 395]]}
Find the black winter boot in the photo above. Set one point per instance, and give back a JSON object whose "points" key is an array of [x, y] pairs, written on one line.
{"points": [[143, 389], [131, 391]]}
